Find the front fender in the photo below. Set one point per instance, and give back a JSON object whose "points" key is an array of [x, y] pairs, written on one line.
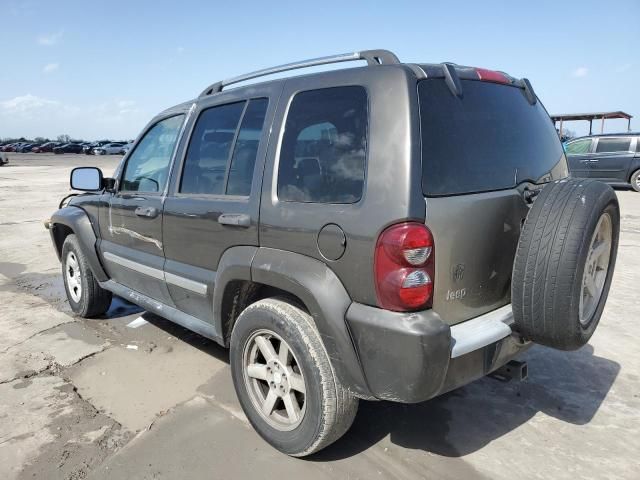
{"points": [[76, 220], [313, 282]]}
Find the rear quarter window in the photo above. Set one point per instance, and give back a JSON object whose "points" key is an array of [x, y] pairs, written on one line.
{"points": [[323, 151]]}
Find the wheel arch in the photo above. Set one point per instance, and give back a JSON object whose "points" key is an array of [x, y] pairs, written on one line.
{"points": [[248, 274], [74, 220]]}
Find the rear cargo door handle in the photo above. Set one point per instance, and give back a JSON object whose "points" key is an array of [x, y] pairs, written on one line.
{"points": [[150, 212], [235, 219]]}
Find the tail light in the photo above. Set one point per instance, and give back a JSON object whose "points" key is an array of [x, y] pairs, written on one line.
{"points": [[491, 76], [404, 267]]}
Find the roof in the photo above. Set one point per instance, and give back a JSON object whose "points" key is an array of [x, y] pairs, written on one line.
{"points": [[621, 134], [590, 116]]}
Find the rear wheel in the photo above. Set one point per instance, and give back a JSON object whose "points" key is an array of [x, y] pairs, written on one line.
{"points": [[635, 180], [284, 379], [564, 263], [84, 293]]}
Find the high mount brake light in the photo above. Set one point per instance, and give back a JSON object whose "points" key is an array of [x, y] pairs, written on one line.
{"points": [[404, 267], [491, 76]]}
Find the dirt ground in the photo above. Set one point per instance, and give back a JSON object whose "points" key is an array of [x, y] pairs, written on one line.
{"points": [[106, 398]]}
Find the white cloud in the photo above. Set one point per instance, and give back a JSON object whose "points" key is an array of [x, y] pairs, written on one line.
{"points": [[179, 50], [31, 116], [580, 72], [50, 67], [25, 104], [50, 39]]}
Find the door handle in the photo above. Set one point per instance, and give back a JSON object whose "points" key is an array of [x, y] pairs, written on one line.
{"points": [[235, 219], [150, 212]]}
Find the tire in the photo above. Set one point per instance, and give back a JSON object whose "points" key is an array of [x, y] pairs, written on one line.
{"points": [[564, 236], [86, 298], [327, 408], [635, 180]]}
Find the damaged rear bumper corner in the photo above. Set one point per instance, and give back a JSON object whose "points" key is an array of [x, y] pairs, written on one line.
{"points": [[411, 357]]}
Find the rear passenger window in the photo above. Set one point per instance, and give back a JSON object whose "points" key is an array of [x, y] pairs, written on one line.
{"points": [[323, 150], [606, 145]]}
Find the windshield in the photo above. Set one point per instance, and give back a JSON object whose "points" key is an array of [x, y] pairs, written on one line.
{"points": [[491, 138]]}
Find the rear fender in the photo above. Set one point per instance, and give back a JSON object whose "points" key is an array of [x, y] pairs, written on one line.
{"points": [[315, 284]]}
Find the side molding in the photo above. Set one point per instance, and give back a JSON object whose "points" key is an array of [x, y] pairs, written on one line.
{"points": [[327, 300], [77, 220]]}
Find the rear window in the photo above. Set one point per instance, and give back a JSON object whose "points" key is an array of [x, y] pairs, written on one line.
{"points": [[491, 138]]}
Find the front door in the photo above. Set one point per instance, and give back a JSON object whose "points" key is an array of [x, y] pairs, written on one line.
{"points": [[214, 196], [579, 157], [612, 159], [132, 240]]}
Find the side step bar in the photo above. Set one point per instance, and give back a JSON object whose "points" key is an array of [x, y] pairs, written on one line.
{"points": [[176, 316]]}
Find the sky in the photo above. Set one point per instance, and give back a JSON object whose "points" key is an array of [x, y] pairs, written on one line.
{"points": [[101, 69]]}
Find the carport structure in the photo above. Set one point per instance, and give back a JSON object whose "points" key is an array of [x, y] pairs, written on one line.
{"points": [[590, 117]]}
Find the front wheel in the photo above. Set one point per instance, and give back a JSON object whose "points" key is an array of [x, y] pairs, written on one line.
{"points": [[284, 379], [85, 295]]}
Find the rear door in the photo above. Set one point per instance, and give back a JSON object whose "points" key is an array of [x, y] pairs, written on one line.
{"points": [[579, 157], [480, 152], [612, 159], [132, 240], [215, 193]]}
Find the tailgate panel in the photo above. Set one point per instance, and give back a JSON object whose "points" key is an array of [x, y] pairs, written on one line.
{"points": [[475, 243]]}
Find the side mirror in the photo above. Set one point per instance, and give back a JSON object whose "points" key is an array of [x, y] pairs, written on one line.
{"points": [[88, 179]]}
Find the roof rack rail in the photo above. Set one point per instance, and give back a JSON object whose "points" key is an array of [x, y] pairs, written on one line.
{"points": [[373, 57]]}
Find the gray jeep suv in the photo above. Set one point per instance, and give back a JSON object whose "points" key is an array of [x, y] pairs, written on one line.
{"points": [[392, 231]]}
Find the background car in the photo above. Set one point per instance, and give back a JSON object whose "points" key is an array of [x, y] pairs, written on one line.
{"points": [[25, 147], [108, 149], [125, 148], [68, 148], [12, 147], [613, 158], [45, 147], [88, 149]]}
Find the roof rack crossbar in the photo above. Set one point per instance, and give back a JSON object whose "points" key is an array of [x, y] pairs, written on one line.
{"points": [[372, 57]]}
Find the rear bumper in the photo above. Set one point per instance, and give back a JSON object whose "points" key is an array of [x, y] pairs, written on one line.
{"points": [[411, 357]]}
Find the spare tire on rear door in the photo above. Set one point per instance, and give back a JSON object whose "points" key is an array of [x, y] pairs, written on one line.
{"points": [[564, 262]]}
